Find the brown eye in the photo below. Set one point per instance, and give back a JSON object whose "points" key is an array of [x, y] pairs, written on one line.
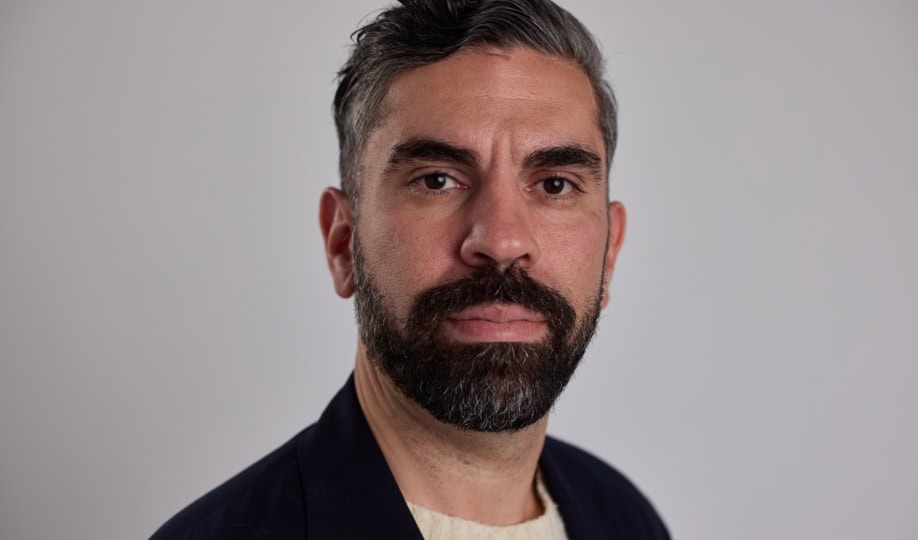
{"points": [[555, 186], [437, 181]]}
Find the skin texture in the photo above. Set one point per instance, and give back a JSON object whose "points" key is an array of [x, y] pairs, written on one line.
{"points": [[429, 217]]}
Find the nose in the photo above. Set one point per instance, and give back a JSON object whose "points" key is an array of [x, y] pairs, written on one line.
{"points": [[500, 227]]}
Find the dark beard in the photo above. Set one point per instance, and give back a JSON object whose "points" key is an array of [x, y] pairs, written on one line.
{"points": [[490, 387]]}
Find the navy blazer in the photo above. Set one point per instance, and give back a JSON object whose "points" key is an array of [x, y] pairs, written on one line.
{"points": [[331, 481]]}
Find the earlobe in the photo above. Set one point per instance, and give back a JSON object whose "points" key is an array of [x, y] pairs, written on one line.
{"points": [[336, 221], [617, 225]]}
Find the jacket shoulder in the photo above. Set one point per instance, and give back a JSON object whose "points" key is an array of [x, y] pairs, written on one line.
{"points": [[590, 492], [263, 501]]}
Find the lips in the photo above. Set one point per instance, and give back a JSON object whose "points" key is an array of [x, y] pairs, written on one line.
{"points": [[498, 313], [495, 323]]}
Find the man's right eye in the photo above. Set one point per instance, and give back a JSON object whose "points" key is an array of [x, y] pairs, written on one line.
{"points": [[437, 181]]}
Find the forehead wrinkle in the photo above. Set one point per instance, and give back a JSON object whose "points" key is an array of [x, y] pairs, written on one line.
{"points": [[517, 88]]}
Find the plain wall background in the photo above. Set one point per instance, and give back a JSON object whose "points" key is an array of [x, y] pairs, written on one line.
{"points": [[166, 316]]}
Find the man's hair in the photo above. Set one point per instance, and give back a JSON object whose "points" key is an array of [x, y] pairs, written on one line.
{"points": [[421, 32]]}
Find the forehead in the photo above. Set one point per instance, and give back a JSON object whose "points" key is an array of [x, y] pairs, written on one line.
{"points": [[517, 98]]}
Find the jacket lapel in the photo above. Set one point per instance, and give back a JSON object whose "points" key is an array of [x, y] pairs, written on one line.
{"points": [[350, 491]]}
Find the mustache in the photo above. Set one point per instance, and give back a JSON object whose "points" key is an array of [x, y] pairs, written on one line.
{"points": [[489, 285]]}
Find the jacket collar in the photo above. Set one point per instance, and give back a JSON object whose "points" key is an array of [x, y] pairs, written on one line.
{"points": [[350, 491], [577, 522]]}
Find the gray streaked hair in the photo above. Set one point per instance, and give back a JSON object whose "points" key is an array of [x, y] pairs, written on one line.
{"points": [[421, 32]]}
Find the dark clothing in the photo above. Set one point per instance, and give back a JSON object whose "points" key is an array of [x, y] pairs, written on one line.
{"points": [[331, 481]]}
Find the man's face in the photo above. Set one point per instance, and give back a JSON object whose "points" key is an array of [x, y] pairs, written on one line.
{"points": [[483, 236]]}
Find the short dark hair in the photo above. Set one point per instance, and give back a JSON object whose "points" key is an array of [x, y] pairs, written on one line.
{"points": [[421, 32]]}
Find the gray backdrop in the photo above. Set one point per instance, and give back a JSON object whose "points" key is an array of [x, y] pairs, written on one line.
{"points": [[166, 316]]}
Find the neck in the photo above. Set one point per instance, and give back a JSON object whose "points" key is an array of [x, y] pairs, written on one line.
{"points": [[484, 477]]}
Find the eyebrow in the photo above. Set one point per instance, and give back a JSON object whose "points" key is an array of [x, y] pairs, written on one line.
{"points": [[569, 155], [429, 149], [426, 149]]}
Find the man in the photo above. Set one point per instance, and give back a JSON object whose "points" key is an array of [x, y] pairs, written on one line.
{"points": [[474, 230]]}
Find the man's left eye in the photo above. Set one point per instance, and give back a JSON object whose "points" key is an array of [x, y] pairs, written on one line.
{"points": [[556, 185]]}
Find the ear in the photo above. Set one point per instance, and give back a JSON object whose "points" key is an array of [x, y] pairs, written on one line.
{"points": [[617, 219], [337, 223]]}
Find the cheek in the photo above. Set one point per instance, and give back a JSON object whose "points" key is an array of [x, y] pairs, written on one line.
{"points": [[572, 262], [404, 256]]}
